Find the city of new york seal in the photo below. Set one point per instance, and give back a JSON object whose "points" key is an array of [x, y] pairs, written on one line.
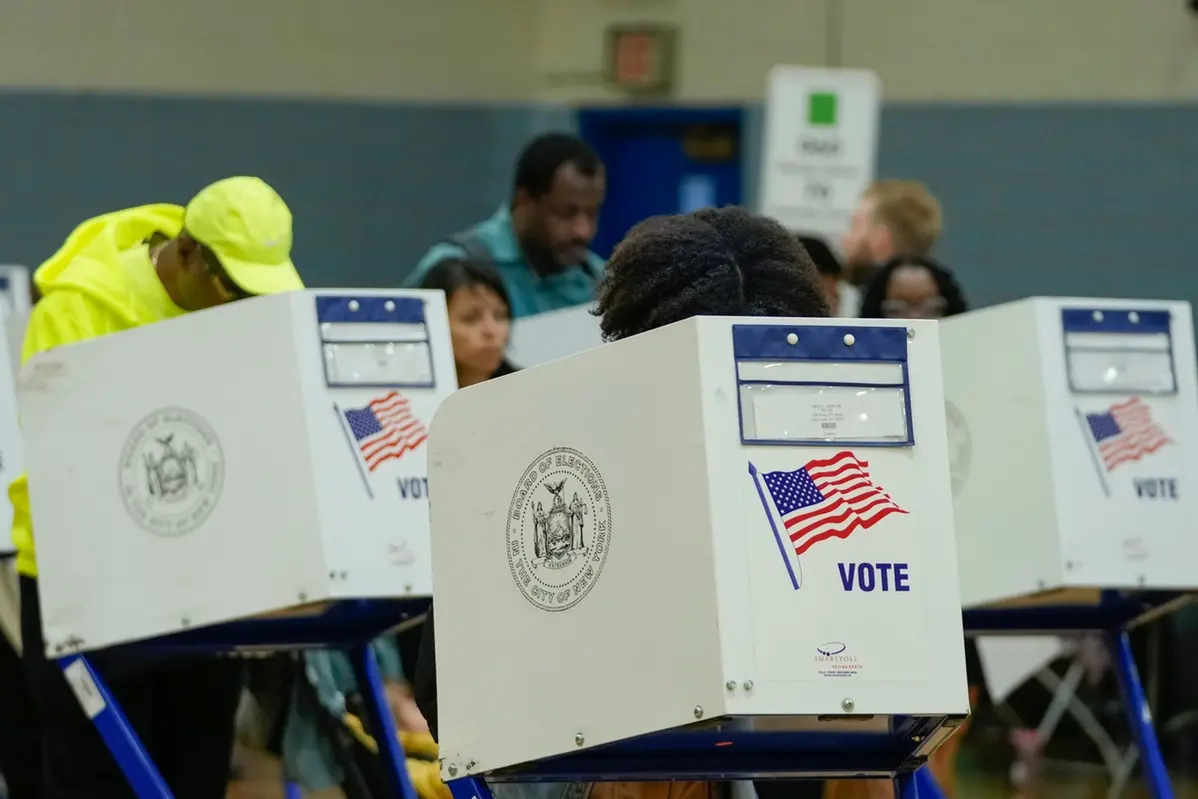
{"points": [[171, 472], [558, 529]]}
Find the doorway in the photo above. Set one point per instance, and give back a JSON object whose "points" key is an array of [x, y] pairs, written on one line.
{"points": [[663, 161]]}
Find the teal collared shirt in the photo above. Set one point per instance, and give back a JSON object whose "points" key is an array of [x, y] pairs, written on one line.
{"points": [[530, 293]]}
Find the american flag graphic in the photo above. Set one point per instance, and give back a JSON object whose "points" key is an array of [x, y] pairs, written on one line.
{"points": [[1126, 433], [385, 429], [827, 498]]}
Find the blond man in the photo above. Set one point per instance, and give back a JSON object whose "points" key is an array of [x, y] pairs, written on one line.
{"points": [[893, 218]]}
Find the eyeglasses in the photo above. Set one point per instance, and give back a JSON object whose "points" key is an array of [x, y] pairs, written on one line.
{"points": [[929, 308], [231, 290]]}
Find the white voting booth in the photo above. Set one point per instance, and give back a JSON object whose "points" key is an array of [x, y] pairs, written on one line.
{"points": [[14, 311], [1084, 412], [273, 447], [251, 476], [11, 465], [11, 450], [726, 524], [1075, 422]]}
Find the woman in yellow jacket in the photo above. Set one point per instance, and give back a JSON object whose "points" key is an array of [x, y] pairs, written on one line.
{"points": [[115, 272]]}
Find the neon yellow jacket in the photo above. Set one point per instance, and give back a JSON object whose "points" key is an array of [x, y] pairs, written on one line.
{"points": [[100, 281]]}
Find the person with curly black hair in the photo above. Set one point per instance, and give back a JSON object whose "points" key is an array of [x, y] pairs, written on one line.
{"points": [[913, 287], [719, 262], [714, 262]]}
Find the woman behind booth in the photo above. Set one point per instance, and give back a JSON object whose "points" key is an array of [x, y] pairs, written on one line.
{"points": [[913, 287], [480, 317], [724, 262]]}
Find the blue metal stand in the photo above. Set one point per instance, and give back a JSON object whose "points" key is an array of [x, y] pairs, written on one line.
{"points": [[729, 754], [350, 624], [910, 785], [1139, 716], [1114, 615]]}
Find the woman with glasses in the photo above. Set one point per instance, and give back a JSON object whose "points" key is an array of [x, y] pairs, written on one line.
{"points": [[913, 287]]}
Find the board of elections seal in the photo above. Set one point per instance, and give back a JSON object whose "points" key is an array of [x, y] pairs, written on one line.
{"points": [[960, 446], [558, 529], [171, 472]]}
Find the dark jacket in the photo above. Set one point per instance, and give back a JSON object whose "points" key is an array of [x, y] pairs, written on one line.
{"points": [[424, 675], [424, 679]]}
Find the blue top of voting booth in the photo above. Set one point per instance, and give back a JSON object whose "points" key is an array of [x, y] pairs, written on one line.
{"points": [[370, 310], [822, 343], [1114, 320]]}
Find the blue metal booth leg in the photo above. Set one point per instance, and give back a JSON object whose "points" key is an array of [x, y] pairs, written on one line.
{"points": [[469, 788], [119, 736], [1139, 715], [917, 785], [382, 723]]}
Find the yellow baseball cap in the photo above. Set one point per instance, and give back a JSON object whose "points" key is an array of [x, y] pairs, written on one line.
{"points": [[248, 226]]}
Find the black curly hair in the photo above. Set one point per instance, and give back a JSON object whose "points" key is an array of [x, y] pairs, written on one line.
{"points": [[946, 282], [713, 262]]}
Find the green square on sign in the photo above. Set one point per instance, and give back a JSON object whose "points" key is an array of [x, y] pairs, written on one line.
{"points": [[821, 109]]}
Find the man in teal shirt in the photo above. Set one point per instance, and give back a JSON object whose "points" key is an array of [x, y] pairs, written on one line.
{"points": [[539, 242]]}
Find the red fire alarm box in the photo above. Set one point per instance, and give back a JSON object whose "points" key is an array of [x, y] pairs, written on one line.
{"points": [[640, 58]]}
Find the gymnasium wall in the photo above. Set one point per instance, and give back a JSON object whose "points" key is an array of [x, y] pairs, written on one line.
{"points": [[413, 50], [925, 50], [1054, 131]]}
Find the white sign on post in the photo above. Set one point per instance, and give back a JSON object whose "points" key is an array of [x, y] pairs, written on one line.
{"points": [[821, 146]]}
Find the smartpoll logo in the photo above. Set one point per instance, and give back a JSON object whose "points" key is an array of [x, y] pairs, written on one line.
{"points": [[833, 660]]}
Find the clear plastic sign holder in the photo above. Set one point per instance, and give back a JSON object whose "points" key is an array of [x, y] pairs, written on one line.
{"points": [[728, 749], [1110, 353], [349, 625]]}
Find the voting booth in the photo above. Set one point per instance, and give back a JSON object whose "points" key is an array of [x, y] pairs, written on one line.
{"points": [[1086, 411], [725, 526], [1072, 424], [11, 450], [262, 461], [11, 465], [275, 446]]}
